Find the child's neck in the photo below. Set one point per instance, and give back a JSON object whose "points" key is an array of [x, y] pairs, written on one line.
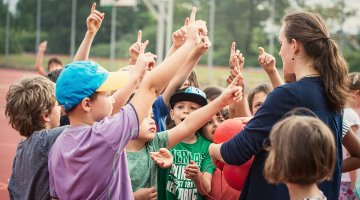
{"points": [[191, 139], [135, 145], [297, 191]]}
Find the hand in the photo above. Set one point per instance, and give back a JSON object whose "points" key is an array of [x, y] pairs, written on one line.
{"points": [[266, 60], [145, 194], [135, 48], [42, 46], [233, 92], [236, 58], [196, 28], [144, 60], [94, 20], [192, 171], [180, 35], [162, 158], [203, 46], [214, 152]]}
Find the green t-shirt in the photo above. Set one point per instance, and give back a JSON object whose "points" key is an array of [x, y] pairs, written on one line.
{"points": [[176, 186], [142, 170]]}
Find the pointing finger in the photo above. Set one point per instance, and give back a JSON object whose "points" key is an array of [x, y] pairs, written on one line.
{"points": [[193, 14], [261, 50], [139, 36], [93, 7]]}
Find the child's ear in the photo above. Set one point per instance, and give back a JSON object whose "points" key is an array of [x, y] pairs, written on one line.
{"points": [[46, 116], [171, 114], [86, 104]]}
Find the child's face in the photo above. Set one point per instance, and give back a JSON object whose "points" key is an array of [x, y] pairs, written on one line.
{"points": [[209, 128], [147, 128], [258, 99], [55, 116], [54, 66], [102, 106], [181, 110]]}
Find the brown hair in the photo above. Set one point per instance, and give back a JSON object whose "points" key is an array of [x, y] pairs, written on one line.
{"points": [[54, 60], [310, 30], [264, 87], [354, 78], [302, 151], [26, 101], [212, 92]]}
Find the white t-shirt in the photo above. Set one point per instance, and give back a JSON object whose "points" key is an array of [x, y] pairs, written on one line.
{"points": [[352, 118]]}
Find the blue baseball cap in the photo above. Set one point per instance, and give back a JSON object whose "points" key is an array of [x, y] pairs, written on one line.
{"points": [[81, 79], [191, 94]]}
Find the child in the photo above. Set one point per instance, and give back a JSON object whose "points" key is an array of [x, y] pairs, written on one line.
{"points": [[33, 111], [257, 96], [184, 180], [88, 160], [143, 178], [302, 154], [53, 63]]}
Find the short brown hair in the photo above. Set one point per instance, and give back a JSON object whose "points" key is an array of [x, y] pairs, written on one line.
{"points": [[54, 60], [302, 151], [26, 101]]}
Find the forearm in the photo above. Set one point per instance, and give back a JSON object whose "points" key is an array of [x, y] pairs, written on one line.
{"points": [[240, 109], [275, 77], [38, 63], [172, 50], [122, 95], [203, 183], [351, 163], [237, 150], [166, 70], [84, 49], [180, 77]]}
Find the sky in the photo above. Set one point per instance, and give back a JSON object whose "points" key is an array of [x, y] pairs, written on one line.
{"points": [[351, 25]]}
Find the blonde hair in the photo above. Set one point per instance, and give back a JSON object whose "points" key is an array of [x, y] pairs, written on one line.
{"points": [[26, 101], [302, 151]]}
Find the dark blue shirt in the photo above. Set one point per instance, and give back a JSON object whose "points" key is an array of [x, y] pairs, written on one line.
{"points": [[161, 112], [309, 93]]}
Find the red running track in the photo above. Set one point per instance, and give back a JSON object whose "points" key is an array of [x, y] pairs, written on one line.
{"points": [[9, 137]]}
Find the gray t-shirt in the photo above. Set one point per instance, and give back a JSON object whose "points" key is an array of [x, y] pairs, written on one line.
{"points": [[30, 176], [142, 170]]}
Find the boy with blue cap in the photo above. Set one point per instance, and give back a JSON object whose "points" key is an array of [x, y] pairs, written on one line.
{"points": [[88, 160]]}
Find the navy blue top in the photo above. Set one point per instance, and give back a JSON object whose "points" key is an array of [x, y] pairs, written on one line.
{"points": [[161, 112], [309, 93]]}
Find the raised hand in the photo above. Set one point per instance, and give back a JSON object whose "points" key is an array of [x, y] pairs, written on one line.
{"points": [[179, 36], [233, 92], [192, 171], [162, 158], [144, 60], [236, 60], [145, 194], [42, 46], [94, 20], [266, 60], [196, 29], [135, 48]]}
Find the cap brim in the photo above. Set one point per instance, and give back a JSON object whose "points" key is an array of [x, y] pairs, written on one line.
{"points": [[114, 81]]}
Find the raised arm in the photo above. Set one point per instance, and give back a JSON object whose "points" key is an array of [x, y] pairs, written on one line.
{"points": [[267, 61], [236, 64], [93, 23], [199, 117], [159, 77], [39, 58]]}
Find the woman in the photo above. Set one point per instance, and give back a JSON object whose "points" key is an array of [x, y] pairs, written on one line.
{"points": [[313, 59]]}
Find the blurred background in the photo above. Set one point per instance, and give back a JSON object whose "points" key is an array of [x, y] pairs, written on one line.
{"points": [[250, 23]]}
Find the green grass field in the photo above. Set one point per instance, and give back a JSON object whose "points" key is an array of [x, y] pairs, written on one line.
{"points": [[215, 76]]}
